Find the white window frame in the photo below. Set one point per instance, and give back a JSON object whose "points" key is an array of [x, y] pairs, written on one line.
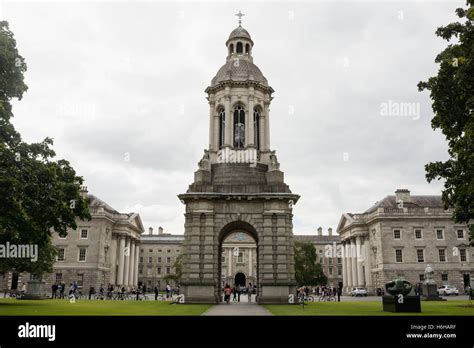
{"points": [[401, 254], [393, 233], [447, 277], [439, 255], [442, 233], [240, 257], [463, 233], [79, 255], [421, 231], [87, 233], [64, 254], [417, 258], [466, 254]]}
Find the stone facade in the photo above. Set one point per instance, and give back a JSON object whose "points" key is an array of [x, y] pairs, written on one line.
{"points": [[398, 237], [100, 251], [239, 186], [158, 254], [330, 262]]}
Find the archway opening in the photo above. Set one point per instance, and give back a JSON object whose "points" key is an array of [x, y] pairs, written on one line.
{"points": [[240, 280], [238, 264]]}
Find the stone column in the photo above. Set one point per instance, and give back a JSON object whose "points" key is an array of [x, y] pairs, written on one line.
{"points": [[113, 260], [228, 123], [368, 266], [355, 281], [132, 263], [344, 268], [229, 263], [347, 262], [121, 246], [359, 261], [250, 262], [267, 127], [251, 130], [212, 140], [127, 263], [135, 273]]}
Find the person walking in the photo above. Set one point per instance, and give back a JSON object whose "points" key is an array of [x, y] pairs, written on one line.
{"points": [[156, 293], [339, 292], [238, 292], [54, 289], [249, 293], [168, 290], [227, 292], [234, 291]]}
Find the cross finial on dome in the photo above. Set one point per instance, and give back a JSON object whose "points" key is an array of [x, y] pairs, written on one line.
{"points": [[240, 15]]}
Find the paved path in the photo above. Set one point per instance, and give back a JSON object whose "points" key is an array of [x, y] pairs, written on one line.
{"points": [[237, 309]]}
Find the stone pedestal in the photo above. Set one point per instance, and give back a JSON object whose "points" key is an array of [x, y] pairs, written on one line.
{"points": [[35, 291], [430, 292], [401, 304]]}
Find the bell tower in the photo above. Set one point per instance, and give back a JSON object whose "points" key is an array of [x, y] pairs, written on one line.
{"points": [[238, 185]]}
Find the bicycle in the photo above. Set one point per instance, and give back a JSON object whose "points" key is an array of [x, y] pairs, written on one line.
{"points": [[327, 298]]}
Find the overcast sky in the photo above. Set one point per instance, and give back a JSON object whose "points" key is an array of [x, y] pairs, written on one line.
{"points": [[119, 86]]}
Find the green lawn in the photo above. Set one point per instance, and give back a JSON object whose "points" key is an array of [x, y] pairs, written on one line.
{"points": [[85, 307], [444, 308]]}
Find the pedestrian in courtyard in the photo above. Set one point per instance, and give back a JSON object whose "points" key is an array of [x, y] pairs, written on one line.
{"points": [[249, 293], [54, 289], [168, 290], [339, 292], [156, 293], [234, 292], [227, 291], [238, 292]]}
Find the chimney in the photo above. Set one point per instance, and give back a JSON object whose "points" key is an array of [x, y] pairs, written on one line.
{"points": [[320, 231], [150, 231], [402, 195], [330, 231], [83, 191], [160, 230]]}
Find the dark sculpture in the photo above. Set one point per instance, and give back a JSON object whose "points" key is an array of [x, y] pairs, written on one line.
{"points": [[398, 286]]}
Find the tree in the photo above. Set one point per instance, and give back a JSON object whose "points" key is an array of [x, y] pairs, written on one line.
{"points": [[452, 93], [39, 195], [307, 270], [178, 271]]}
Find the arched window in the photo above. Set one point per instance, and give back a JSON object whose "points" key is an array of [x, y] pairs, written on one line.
{"points": [[240, 47], [231, 49], [239, 127], [247, 48], [221, 127], [256, 128]]}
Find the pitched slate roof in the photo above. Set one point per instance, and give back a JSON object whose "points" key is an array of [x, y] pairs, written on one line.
{"points": [[415, 202]]}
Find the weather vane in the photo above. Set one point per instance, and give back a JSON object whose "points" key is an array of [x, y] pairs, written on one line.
{"points": [[240, 15]]}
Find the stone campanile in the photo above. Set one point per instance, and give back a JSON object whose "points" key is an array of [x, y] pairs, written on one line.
{"points": [[238, 186]]}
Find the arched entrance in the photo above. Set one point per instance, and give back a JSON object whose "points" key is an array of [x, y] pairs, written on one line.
{"points": [[240, 280], [238, 261]]}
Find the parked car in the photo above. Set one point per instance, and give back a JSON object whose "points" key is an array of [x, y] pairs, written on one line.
{"points": [[447, 290], [359, 292]]}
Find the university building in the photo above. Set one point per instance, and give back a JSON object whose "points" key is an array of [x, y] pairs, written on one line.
{"points": [[398, 237], [100, 251]]}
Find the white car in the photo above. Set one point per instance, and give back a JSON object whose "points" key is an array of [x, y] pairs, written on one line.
{"points": [[359, 292], [448, 290]]}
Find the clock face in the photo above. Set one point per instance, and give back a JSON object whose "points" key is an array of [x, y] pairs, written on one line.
{"points": [[240, 236]]}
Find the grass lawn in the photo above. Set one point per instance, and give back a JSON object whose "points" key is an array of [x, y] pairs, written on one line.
{"points": [[444, 308], [86, 307]]}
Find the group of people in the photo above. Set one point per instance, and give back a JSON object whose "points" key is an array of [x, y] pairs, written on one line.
{"points": [[320, 291], [236, 291], [169, 290], [58, 289]]}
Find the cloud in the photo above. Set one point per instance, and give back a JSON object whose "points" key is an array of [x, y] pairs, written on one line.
{"points": [[120, 87]]}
